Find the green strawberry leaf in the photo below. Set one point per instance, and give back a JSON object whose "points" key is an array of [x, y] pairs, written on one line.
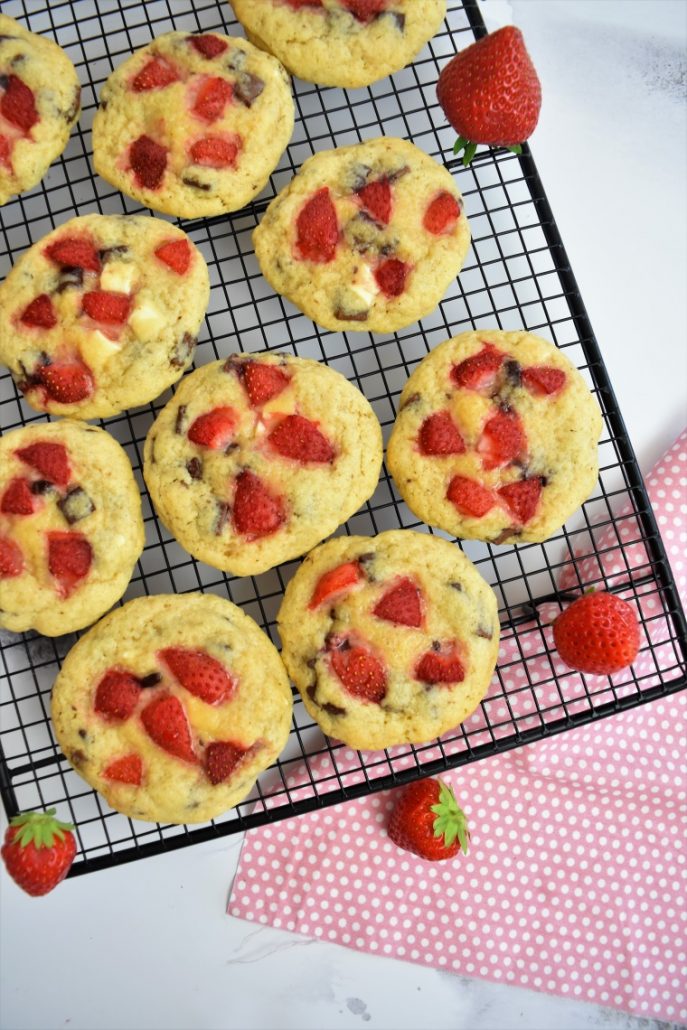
{"points": [[517, 149], [39, 828], [450, 819]]}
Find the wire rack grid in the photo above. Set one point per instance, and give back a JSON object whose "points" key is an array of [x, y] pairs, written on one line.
{"points": [[516, 276]]}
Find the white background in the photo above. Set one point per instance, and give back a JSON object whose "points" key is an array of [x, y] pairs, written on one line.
{"points": [[148, 945]]}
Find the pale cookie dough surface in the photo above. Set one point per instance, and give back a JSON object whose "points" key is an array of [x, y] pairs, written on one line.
{"points": [[546, 478], [214, 128], [79, 483], [457, 616], [341, 42], [91, 365], [253, 719], [345, 289], [205, 495], [40, 99]]}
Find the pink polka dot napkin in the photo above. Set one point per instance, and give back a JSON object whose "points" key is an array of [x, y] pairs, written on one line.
{"points": [[575, 880]]}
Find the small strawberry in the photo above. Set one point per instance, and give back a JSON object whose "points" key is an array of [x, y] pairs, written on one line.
{"points": [[156, 74], [176, 254], [335, 582], [148, 162], [106, 307], [207, 45], [480, 371], [40, 313], [470, 497], [257, 511], [5, 153], [67, 382], [542, 380], [214, 152], [441, 215], [211, 99], [359, 670], [391, 277], [401, 604], [439, 435], [38, 851], [442, 666], [116, 695], [11, 561], [165, 722], [221, 758], [128, 769], [214, 429], [597, 634], [427, 821], [18, 104], [200, 674], [522, 497], [263, 382], [17, 498], [317, 228], [490, 93], [365, 10], [74, 252], [70, 557], [50, 459], [298, 438], [376, 199], [502, 441]]}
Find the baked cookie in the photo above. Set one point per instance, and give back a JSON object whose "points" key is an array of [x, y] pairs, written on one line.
{"points": [[259, 457], [102, 314], [193, 125], [171, 706], [341, 42], [390, 639], [40, 100], [71, 528], [496, 438], [366, 237]]}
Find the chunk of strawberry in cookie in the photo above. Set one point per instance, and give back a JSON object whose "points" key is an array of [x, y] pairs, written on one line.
{"points": [[70, 557], [543, 380], [5, 153], [298, 5], [480, 371], [470, 497], [391, 276], [166, 723], [17, 498], [522, 498], [117, 695], [441, 215], [299, 438], [148, 162], [74, 252], [503, 440], [215, 152], [401, 604], [221, 759], [50, 459], [11, 560], [365, 11], [317, 228], [257, 512], [441, 666], [176, 254], [376, 200], [263, 382], [439, 435], [211, 99], [358, 668], [156, 74], [200, 674], [128, 769], [40, 313], [335, 583], [66, 382], [208, 45], [214, 429], [18, 104], [107, 307]]}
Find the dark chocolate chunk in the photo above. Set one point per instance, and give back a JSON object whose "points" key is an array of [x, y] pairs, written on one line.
{"points": [[506, 533], [513, 372], [196, 184], [77, 757], [397, 18], [180, 419], [71, 113], [3, 38], [103, 105], [76, 505], [151, 680], [457, 586], [233, 446], [311, 663], [83, 734], [183, 351], [360, 173], [398, 174], [350, 316], [222, 516], [331, 709], [436, 645], [484, 632], [112, 252], [413, 399], [194, 467], [41, 486], [248, 88], [70, 275], [4, 81], [311, 691], [233, 363]]}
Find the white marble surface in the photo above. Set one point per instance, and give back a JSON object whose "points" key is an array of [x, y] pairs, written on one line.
{"points": [[148, 945]]}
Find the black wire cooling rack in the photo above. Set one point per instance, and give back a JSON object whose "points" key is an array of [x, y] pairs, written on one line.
{"points": [[516, 276]]}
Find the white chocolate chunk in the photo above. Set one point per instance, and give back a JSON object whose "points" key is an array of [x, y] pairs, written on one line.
{"points": [[118, 277], [146, 321], [364, 285]]}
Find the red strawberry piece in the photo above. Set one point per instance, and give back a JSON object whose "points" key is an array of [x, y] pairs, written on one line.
{"points": [[257, 511], [335, 582], [442, 214], [128, 769], [148, 161], [176, 254], [18, 499], [361, 673], [211, 99], [598, 634], [376, 199], [522, 497], [116, 695], [479, 372], [18, 104], [470, 497], [502, 441], [542, 380], [156, 74], [209, 46], [214, 429], [298, 438], [74, 252], [200, 674], [214, 152], [165, 722], [66, 383], [365, 10], [442, 666], [297, 5], [490, 92], [107, 307], [317, 228], [221, 758], [50, 459], [391, 277], [263, 382], [38, 851], [401, 604], [427, 821], [440, 435], [39, 312], [11, 561], [5, 152], [70, 557]]}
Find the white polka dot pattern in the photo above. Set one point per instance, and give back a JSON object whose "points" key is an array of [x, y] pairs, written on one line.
{"points": [[575, 880]]}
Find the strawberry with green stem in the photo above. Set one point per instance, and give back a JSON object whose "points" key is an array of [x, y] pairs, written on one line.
{"points": [[427, 821], [38, 851]]}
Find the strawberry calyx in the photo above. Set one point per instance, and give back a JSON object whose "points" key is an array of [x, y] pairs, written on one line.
{"points": [[38, 828], [451, 822], [470, 149]]}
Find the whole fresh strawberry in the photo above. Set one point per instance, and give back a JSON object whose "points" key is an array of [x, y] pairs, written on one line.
{"points": [[490, 93], [426, 820], [598, 633], [38, 851]]}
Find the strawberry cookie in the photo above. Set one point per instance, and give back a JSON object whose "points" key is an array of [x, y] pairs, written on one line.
{"points": [[71, 528], [366, 237], [193, 125], [390, 639], [341, 42], [496, 438], [40, 100], [102, 314], [259, 457], [171, 707]]}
